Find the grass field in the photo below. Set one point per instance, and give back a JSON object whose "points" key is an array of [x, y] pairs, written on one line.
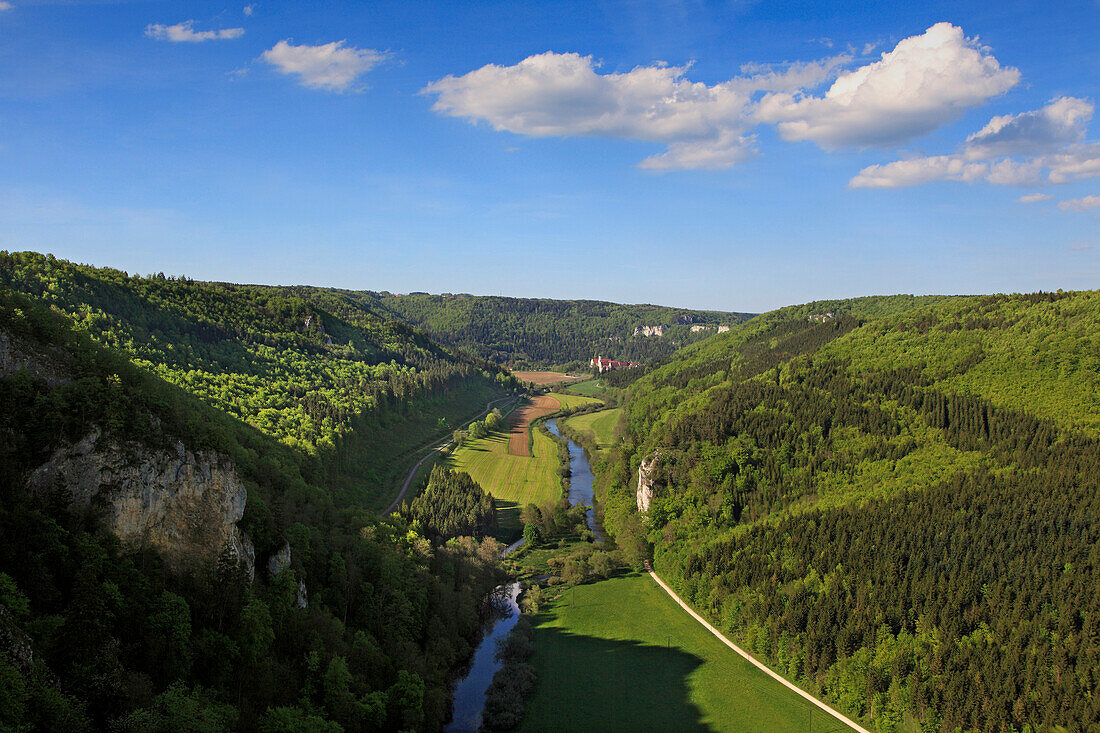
{"points": [[621, 655], [513, 480], [588, 388], [600, 426], [569, 401]]}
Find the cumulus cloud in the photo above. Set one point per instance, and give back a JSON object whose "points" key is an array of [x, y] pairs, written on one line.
{"points": [[334, 66], [5, 5], [562, 95], [1061, 122], [1033, 198], [249, 9], [185, 33], [1031, 148], [915, 171], [1081, 204], [925, 82]]}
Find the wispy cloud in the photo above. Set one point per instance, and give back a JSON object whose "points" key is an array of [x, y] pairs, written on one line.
{"points": [[1081, 247], [1033, 198], [334, 67], [185, 33], [249, 10], [1081, 204], [5, 5]]}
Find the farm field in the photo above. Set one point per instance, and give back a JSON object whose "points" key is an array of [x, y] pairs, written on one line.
{"points": [[519, 436], [513, 480], [599, 426], [626, 657], [544, 377]]}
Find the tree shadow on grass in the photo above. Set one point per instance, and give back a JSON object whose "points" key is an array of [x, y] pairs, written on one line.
{"points": [[593, 684]]}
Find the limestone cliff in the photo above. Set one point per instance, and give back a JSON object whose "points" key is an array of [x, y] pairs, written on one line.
{"points": [[646, 490], [183, 504]]}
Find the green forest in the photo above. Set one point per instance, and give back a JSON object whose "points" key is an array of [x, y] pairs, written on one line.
{"points": [[321, 374], [894, 501], [539, 332], [366, 623]]}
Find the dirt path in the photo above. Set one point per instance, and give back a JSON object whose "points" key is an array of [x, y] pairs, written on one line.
{"points": [[434, 448], [798, 690], [519, 437]]}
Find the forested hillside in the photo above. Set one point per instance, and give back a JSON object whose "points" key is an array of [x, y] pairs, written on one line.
{"points": [[351, 623], [523, 332], [894, 501], [348, 391]]}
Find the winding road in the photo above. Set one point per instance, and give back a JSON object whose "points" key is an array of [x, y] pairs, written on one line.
{"points": [[752, 660], [438, 447]]}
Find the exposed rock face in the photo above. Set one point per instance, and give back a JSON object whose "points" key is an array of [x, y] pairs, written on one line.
{"points": [[15, 357], [649, 331], [723, 329], [15, 643], [303, 597], [280, 561], [184, 505], [646, 490]]}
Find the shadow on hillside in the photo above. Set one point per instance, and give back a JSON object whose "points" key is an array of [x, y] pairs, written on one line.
{"points": [[588, 683]]}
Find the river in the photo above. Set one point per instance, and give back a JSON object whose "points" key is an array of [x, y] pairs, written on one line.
{"points": [[580, 479], [470, 690]]}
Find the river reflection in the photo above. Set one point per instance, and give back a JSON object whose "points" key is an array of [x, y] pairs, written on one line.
{"points": [[470, 690]]}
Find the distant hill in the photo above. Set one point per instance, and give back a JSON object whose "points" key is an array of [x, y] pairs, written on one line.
{"points": [[896, 501], [538, 332]]}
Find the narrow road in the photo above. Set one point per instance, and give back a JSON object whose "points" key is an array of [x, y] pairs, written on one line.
{"points": [[437, 447], [794, 688]]}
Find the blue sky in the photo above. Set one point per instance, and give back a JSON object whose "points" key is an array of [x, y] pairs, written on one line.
{"points": [[727, 155]]}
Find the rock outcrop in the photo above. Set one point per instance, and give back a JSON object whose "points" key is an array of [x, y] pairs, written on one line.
{"points": [[646, 490], [183, 504], [280, 561], [16, 356], [649, 330]]}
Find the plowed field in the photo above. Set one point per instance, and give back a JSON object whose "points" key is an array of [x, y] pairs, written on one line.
{"points": [[519, 436]]}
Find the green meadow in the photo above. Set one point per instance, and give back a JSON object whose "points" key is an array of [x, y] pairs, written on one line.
{"points": [[619, 654], [599, 427]]}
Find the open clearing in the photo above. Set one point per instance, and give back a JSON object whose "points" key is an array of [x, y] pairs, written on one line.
{"points": [[513, 480], [626, 657], [520, 420], [599, 426], [544, 377]]}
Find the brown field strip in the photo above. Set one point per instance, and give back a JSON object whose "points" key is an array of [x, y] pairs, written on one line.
{"points": [[543, 377], [518, 437]]}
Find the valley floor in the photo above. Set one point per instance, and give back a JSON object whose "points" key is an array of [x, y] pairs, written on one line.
{"points": [[620, 654]]}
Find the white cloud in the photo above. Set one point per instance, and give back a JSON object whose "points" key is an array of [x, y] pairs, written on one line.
{"points": [[1077, 161], [1043, 130], [1082, 204], [562, 95], [185, 33], [5, 5], [331, 66], [1033, 198], [924, 83], [1028, 149], [915, 171], [249, 10]]}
